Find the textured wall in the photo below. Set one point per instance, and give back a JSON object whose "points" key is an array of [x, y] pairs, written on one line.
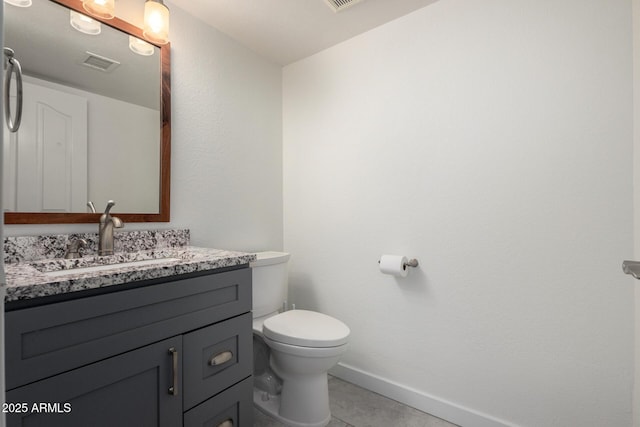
{"points": [[227, 133], [493, 141]]}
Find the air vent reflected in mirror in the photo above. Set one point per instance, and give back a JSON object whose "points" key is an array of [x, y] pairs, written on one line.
{"points": [[99, 62]]}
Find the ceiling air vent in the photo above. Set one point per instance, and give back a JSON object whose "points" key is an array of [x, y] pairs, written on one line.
{"points": [[98, 62], [338, 5]]}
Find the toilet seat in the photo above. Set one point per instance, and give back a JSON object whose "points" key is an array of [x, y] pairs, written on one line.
{"points": [[306, 328]]}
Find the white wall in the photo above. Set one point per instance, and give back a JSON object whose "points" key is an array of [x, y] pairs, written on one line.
{"points": [[226, 177], [492, 141]]}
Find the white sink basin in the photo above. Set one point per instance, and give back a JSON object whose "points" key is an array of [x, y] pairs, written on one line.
{"points": [[94, 268]]}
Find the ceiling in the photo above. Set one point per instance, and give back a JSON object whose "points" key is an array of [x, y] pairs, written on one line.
{"points": [[285, 31]]}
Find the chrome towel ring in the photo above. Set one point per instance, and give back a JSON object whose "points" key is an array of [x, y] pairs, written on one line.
{"points": [[13, 66]]}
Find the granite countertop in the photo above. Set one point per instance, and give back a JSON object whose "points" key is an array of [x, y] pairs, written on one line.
{"points": [[26, 280]]}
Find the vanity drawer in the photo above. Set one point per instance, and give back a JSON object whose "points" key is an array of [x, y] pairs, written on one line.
{"points": [[215, 357], [47, 340], [232, 408]]}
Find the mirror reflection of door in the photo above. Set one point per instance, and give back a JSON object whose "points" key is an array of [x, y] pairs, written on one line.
{"points": [[46, 160]]}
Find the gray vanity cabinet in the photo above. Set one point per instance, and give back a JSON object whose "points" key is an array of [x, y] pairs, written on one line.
{"points": [[170, 354]]}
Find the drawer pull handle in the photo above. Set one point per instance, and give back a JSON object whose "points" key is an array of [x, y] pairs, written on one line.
{"points": [[173, 390], [220, 359], [226, 423]]}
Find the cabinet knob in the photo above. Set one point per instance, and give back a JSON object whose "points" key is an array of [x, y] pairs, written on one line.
{"points": [[221, 358], [226, 423]]}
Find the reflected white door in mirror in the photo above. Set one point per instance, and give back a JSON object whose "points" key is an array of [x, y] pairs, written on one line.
{"points": [[46, 159]]}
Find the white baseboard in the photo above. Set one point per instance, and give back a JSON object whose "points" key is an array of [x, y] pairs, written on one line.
{"points": [[440, 408]]}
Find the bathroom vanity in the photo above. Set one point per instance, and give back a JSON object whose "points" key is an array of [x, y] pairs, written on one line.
{"points": [[166, 343]]}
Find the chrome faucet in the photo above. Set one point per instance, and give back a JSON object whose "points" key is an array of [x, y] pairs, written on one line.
{"points": [[105, 230]]}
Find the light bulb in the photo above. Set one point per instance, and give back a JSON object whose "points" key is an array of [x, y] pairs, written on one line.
{"points": [[140, 47], [19, 3], [84, 24], [156, 22], [104, 9]]}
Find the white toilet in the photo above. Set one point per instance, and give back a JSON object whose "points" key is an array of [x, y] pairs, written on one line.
{"points": [[293, 350]]}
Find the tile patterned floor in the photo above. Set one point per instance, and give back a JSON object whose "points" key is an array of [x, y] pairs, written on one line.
{"points": [[352, 406]]}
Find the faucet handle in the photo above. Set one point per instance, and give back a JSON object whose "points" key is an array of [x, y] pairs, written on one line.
{"points": [[110, 204], [75, 248]]}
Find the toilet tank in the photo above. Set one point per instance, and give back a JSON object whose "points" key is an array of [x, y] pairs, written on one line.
{"points": [[270, 282]]}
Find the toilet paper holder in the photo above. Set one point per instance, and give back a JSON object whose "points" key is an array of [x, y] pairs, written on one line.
{"points": [[410, 263]]}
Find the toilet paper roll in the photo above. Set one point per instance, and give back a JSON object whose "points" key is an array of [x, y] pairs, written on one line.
{"points": [[394, 265]]}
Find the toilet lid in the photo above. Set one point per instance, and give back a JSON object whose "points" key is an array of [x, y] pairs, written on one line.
{"points": [[306, 329]]}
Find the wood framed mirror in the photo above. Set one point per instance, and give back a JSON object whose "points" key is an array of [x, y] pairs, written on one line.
{"points": [[119, 148]]}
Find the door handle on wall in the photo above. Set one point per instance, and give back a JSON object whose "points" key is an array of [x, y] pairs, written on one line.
{"points": [[632, 268]]}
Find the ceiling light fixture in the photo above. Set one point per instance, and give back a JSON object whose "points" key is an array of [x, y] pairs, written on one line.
{"points": [[156, 22], [84, 24], [156, 17], [104, 9], [140, 47], [19, 3]]}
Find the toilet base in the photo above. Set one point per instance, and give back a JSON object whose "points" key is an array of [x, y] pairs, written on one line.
{"points": [[270, 405]]}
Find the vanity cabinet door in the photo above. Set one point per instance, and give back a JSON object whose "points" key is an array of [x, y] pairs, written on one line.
{"points": [[132, 389]]}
